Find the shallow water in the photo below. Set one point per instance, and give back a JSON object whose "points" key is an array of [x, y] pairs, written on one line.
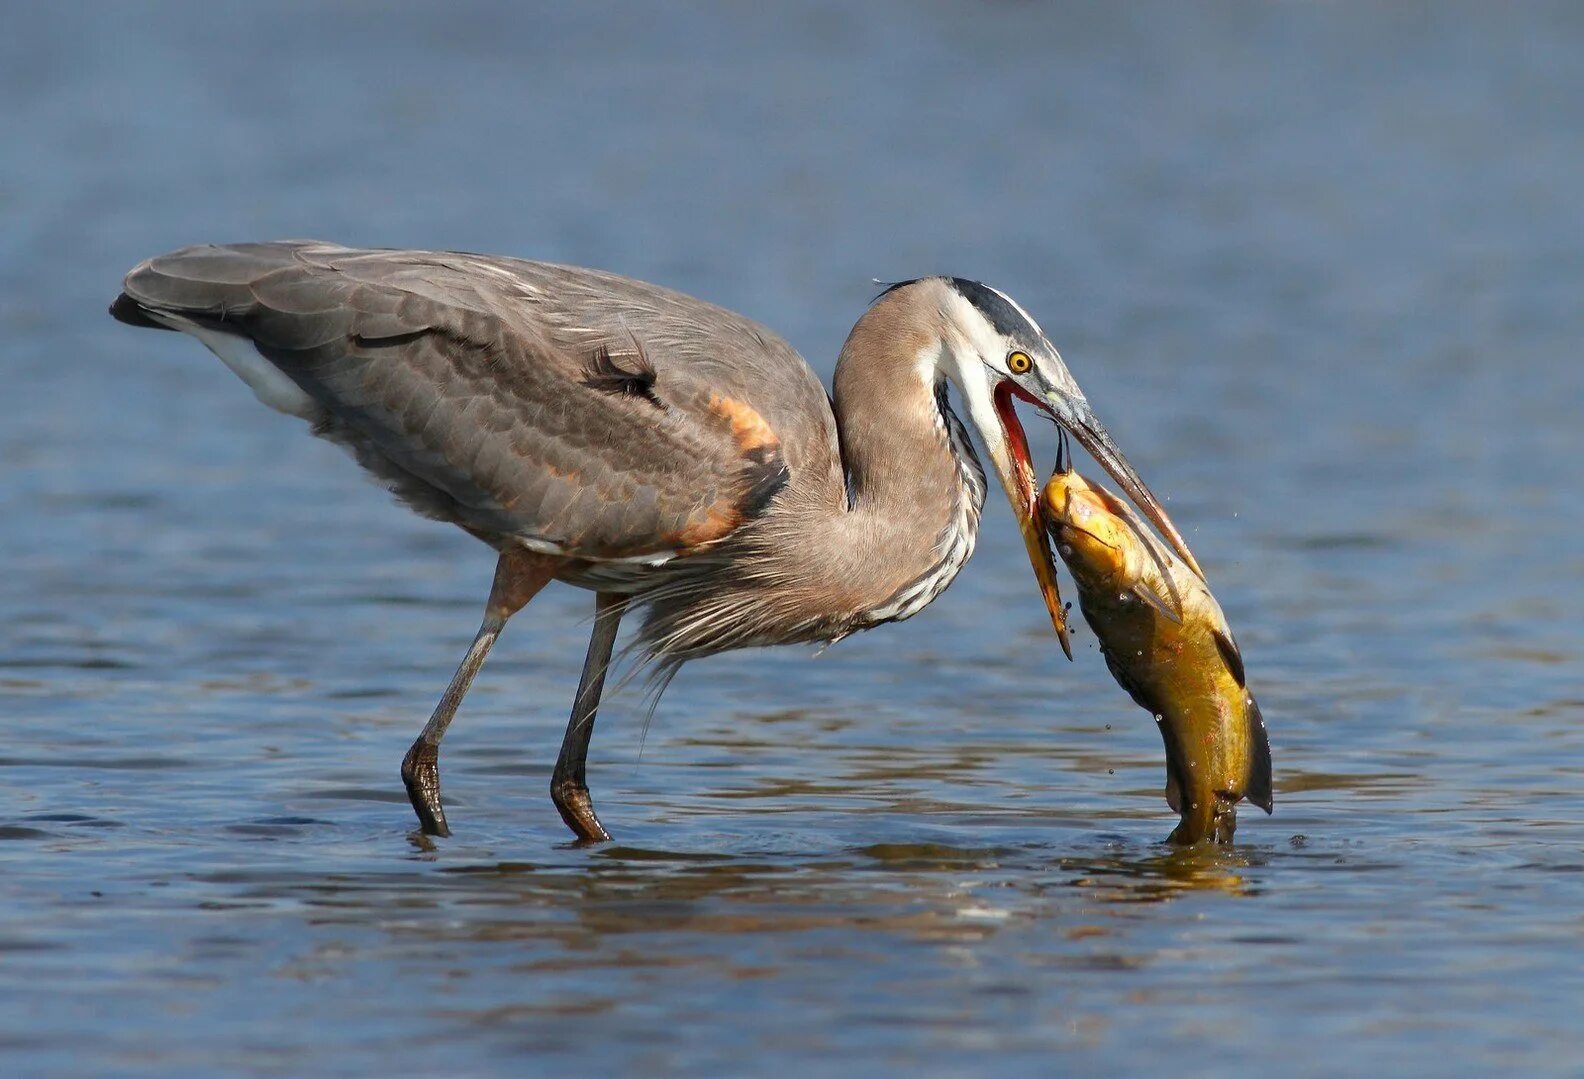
{"points": [[1318, 267]]}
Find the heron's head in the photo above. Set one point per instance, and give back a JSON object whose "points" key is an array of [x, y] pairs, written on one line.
{"points": [[997, 355]]}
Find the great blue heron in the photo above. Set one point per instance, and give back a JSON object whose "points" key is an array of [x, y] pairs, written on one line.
{"points": [[657, 450]]}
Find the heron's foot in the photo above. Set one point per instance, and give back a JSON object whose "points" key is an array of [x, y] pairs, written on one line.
{"points": [[572, 800], [420, 773]]}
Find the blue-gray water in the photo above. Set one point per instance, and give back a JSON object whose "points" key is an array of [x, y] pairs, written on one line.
{"points": [[1318, 266]]}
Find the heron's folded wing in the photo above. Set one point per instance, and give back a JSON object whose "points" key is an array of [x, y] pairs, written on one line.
{"points": [[450, 393]]}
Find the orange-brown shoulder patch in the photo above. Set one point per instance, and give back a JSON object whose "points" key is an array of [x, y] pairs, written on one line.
{"points": [[714, 525], [763, 475], [749, 429]]}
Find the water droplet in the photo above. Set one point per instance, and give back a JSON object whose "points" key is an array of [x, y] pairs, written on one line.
{"points": [[1110, 771], [1195, 805], [1108, 726], [1141, 651], [1160, 719]]}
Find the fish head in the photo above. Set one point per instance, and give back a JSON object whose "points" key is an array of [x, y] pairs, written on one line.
{"points": [[1092, 533]]}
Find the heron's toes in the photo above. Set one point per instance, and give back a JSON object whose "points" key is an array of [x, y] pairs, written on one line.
{"points": [[420, 772], [576, 807]]}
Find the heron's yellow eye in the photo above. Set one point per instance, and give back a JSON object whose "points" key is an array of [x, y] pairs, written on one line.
{"points": [[1019, 363]]}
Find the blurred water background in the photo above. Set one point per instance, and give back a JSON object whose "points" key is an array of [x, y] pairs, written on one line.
{"points": [[1319, 267]]}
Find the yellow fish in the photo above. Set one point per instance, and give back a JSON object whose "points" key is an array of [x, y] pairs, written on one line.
{"points": [[1167, 643]]}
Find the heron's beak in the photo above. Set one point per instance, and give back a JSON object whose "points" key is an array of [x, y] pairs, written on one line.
{"points": [[1074, 413], [1017, 475]]}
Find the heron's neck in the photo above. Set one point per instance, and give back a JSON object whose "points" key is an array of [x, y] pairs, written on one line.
{"points": [[828, 559], [915, 486], [895, 429]]}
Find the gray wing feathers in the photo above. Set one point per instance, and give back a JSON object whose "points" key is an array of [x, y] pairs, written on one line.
{"points": [[463, 382]]}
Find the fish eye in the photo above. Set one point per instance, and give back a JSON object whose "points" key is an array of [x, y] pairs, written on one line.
{"points": [[1018, 362]]}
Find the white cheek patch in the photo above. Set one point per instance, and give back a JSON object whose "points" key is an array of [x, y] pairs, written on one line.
{"points": [[970, 339], [977, 339]]}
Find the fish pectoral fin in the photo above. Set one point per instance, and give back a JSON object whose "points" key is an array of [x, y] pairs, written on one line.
{"points": [[1156, 600], [1161, 557]]}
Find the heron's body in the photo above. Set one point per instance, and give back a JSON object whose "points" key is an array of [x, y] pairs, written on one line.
{"points": [[658, 450]]}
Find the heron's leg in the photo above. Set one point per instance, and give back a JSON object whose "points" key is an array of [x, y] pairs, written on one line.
{"points": [[519, 575], [568, 785]]}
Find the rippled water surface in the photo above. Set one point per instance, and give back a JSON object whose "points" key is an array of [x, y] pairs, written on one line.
{"points": [[1319, 268]]}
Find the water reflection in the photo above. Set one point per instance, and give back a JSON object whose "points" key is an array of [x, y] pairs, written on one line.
{"points": [[927, 936], [928, 889]]}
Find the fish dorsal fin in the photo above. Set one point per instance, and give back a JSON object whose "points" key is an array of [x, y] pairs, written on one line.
{"points": [[1258, 788]]}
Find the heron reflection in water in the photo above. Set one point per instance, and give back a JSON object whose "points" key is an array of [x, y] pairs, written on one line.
{"points": [[676, 459]]}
